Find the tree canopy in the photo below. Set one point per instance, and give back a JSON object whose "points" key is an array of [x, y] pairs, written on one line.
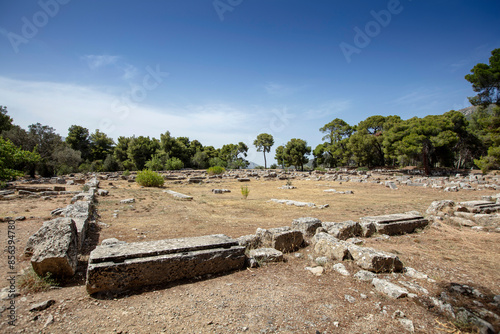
{"points": [[485, 80], [263, 143]]}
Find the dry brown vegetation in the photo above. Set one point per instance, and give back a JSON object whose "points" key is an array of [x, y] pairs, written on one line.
{"points": [[281, 298]]}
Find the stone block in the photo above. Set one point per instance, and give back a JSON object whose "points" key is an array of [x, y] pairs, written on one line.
{"points": [[330, 247], [265, 255], [128, 266], [344, 230], [251, 241], [281, 238], [390, 289], [396, 223], [373, 260], [81, 212], [439, 206], [54, 248], [179, 196], [306, 225]]}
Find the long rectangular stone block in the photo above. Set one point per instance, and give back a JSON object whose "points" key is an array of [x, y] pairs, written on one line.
{"points": [[121, 267], [396, 223]]}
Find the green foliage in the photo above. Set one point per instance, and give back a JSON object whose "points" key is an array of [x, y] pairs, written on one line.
{"points": [[100, 145], [295, 153], [30, 282], [230, 153], [335, 150], [273, 166], [485, 80], [217, 162], [157, 162], [149, 178], [174, 164], [216, 170], [126, 173], [200, 160], [5, 120], [129, 165], [12, 159], [141, 149], [78, 139], [96, 166], [110, 164], [363, 169], [245, 191], [263, 143], [280, 155]]}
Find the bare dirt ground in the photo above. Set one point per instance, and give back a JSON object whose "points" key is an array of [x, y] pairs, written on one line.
{"points": [[276, 298]]}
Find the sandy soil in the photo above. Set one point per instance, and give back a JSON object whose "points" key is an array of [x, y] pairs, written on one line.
{"points": [[277, 298]]}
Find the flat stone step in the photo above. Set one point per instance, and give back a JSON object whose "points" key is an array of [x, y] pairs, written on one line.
{"points": [[179, 196], [396, 223], [127, 266]]}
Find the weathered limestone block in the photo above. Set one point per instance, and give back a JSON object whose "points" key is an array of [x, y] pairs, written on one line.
{"points": [[179, 196], [127, 266], [373, 260], [55, 248], [390, 289], [478, 207], [439, 206], [367, 229], [250, 241], [81, 213], [265, 255], [396, 223], [306, 225], [87, 197], [330, 247], [344, 230], [281, 238]]}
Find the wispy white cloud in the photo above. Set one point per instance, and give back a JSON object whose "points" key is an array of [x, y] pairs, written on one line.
{"points": [[61, 105], [281, 90], [330, 108], [97, 61]]}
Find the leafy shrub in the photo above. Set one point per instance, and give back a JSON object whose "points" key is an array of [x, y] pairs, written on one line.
{"points": [[126, 173], [129, 165], [30, 282], [216, 170], [274, 166], [174, 164], [111, 164], [217, 162], [148, 178], [64, 170], [362, 169], [245, 191]]}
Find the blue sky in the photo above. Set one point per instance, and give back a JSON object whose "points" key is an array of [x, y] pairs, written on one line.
{"points": [[224, 71]]}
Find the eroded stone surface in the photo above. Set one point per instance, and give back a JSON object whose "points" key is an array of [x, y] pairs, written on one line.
{"points": [[128, 266], [396, 223], [54, 248]]}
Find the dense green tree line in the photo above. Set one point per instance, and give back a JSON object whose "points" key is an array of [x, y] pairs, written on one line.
{"points": [[447, 140]]}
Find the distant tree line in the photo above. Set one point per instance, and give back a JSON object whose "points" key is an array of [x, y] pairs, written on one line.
{"points": [[447, 140]]}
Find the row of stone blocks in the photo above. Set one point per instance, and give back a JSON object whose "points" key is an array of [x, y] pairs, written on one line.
{"points": [[55, 246], [126, 266]]}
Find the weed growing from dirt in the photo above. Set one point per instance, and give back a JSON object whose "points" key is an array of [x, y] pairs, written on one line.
{"points": [[30, 282]]}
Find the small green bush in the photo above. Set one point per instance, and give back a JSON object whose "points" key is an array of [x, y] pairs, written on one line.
{"points": [[148, 178], [245, 191], [216, 170], [174, 164], [126, 173], [363, 169]]}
